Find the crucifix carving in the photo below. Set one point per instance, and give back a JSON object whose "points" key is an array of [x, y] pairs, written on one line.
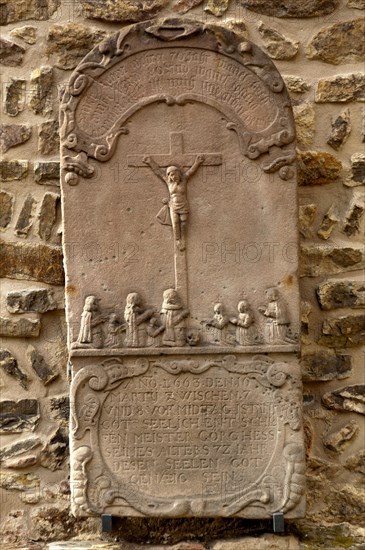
{"points": [[179, 167]]}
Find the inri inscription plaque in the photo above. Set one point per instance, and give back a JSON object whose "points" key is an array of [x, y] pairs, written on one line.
{"points": [[180, 238]]}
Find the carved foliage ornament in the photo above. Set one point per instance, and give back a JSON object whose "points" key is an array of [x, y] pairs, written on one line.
{"points": [[243, 72]]}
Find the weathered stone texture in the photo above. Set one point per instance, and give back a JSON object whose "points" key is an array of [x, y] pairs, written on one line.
{"points": [[338, 440], [318, 168], [14, 99], [277, 45], [121, 10], [217, 7], [26, 33], [31, 301], [59, 407], [25, 218], [357, 4], [307, 214], [304, 116], [356, 463], [48, 137], [329, 222], [341, 129], [6, 208], [357, 172], [296, 84], [10, 366], [20, 447], [19, 416], [183, 6], [336, 294], [21, 462], [41, 89], [341, 88], [321, 366], [291, 8], [21, 328], [55, 451], [47, 172], [11, 12], [71, 42], [268, 541], [354, 215], [33, 262], [10, 53], [18, 482], [37, 362], [343, 332], [322, 260], [12, 135], [13, 170], [47, 215], [339, 43], [348, 398]]}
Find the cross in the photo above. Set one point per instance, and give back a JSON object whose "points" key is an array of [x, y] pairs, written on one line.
{"points": [[176, 156]]}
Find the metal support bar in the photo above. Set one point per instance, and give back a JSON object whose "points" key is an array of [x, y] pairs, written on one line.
{"points": [[106, 523], [278, 522]]}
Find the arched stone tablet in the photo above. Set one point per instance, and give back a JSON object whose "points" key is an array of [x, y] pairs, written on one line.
{"points": [[180, 240]]}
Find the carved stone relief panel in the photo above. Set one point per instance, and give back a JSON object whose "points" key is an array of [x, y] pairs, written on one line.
{"points": [[180, 239]]}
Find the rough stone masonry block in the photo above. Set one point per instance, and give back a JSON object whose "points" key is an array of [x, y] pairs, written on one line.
{"points": [[12, 135], [47, 173], [6, 208], [339, 43], [336, 294], [41, 88], [37, 362], [14, 96], [25, 218], [341, 129], [120, 10], [10, 53], [12, 12], [47, 215], [32, 262], [291, 8], [357, 171], [325, 365], [48, 137], [21, 328], [70, 42], [182, 362], [13, 170], [19, 416], [341, 88], [32, 300], [10, 366], [26, 33]]}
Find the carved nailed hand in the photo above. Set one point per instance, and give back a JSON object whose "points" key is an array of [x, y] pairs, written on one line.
{"points": [[200, 158], [147, 160]]}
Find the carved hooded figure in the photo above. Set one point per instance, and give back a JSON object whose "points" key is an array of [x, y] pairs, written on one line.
{"points": [[277, 321], [91, 329], [173, 319], [134, 316], [246, 332], [219, 324]]}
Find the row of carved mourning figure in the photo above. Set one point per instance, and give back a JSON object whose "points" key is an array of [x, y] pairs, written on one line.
{"points": [[142, 326]]}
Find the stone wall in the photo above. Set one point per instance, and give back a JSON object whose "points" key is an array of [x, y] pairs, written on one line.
{"points": [[318, 46]]}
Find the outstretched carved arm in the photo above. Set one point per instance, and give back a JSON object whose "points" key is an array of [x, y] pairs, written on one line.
{"points": [[198, 161], [155, 167]]}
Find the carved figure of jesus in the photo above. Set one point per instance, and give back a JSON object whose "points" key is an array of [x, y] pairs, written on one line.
{"points": [[176, 181]]}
